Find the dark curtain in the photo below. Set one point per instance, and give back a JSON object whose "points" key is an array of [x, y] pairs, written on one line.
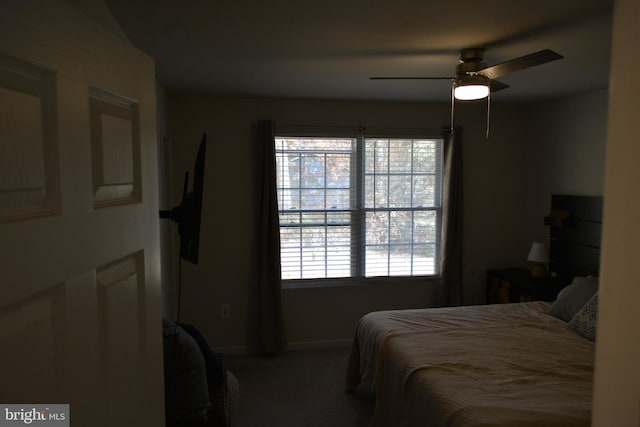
{"points": [[451, 288], [266, 328]]}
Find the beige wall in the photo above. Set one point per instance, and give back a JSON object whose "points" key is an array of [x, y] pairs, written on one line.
{"points": [[498, 231], [617, 376], [566, 144]]}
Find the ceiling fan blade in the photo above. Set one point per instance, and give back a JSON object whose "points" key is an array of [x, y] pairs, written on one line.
{"points": [[496, 85], [520, 63], [411, 78]]}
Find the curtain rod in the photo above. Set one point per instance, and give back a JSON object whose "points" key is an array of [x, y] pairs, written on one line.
{"points": [[359, 129]]}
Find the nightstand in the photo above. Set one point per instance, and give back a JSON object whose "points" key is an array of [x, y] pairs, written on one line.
{"points": [[516, 285]]}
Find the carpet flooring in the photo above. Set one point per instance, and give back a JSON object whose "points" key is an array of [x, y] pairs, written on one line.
{"points": [[301, 388]]}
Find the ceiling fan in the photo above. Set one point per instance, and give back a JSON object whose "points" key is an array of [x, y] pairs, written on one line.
{"points": [[471, 71], [475, 80]]}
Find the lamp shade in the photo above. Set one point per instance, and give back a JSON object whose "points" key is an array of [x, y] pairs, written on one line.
{"points": [[538, 253]]}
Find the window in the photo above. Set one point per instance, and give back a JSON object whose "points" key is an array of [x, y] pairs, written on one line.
{"points": [[359, 207]]}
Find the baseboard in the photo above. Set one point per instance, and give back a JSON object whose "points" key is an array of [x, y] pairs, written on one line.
{"points": [[292, 346], [318, 345]]}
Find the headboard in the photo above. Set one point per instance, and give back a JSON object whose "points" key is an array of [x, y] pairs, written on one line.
{"points": [[575, 224]]}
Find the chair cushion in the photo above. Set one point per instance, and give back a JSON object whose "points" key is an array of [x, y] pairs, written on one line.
{"points": [[186, 389]]}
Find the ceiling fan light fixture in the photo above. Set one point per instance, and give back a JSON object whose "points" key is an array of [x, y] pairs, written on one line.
{"points": [[468, 88]]}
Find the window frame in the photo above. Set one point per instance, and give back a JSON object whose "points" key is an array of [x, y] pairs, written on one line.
{"points": [[359, 211]]}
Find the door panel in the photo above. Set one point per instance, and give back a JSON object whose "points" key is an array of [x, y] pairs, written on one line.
{"points": [[32, 333], [120, 331], [28, 155], [79, 233]]}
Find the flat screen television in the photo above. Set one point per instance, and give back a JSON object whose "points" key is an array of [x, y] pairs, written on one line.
{"points": [[189, 212]]}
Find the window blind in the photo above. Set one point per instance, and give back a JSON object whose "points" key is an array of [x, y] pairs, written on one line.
{"points": [[359, 207]]}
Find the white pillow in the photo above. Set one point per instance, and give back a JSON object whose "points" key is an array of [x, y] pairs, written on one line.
{"points": [[572, 298]]}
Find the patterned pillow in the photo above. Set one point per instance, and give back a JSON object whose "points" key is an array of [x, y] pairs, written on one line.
{"points": [[585, 320]]}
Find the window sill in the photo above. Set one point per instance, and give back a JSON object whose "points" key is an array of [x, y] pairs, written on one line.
{"points": [[349, 282]]}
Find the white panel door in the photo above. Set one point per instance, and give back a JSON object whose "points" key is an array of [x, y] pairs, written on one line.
{"points": [[79, 241]]}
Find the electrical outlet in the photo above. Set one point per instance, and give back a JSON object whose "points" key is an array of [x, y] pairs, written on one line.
{"points": [[225, 310]]}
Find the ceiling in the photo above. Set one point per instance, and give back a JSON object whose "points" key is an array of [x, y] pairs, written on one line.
{"points": [[328, 49]]}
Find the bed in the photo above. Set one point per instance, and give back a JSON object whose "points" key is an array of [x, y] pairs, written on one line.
{"points": [[520, 364]]}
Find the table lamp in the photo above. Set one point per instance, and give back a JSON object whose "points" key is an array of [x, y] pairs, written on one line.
{"points": [[538, 255]]}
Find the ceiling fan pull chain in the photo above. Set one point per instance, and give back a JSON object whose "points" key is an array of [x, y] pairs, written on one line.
{"points": [[488, 113], [453, 103]]}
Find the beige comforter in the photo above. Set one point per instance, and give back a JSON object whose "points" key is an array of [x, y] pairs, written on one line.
{"points": [[494, 365]]}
